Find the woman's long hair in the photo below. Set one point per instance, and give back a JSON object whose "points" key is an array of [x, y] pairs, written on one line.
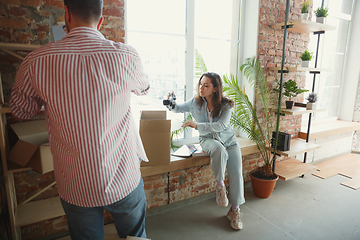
{"points": [[218, 100]]}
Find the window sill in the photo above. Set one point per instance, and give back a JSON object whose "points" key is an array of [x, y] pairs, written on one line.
{"points": [[177, 163]]}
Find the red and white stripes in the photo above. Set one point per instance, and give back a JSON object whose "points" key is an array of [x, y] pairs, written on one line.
{"points": [[85, 82]]}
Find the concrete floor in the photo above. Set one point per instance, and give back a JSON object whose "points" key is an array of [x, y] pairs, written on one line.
{"points": [[302, 208]]}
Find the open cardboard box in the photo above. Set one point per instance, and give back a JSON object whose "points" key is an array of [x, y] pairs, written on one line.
{"points": [[155, 136], [32, 149]]}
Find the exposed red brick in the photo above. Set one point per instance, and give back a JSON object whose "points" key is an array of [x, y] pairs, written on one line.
{"points": [[18, 12], [42, 36], [5, 35], [55, 3], [11, 2], [147, 186], [177, 173], [200, 188], [115, 22], [116, 3], [116, 39], [31, 3], [42, 28], [159, 185], [116, 12], [10, 23], [44, 13]]}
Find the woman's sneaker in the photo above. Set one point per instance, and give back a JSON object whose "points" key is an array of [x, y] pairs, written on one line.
{"points": [[234, 218], [221, 198]]}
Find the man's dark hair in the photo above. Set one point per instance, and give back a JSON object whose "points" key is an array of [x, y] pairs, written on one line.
{"points": [[86, 10]]}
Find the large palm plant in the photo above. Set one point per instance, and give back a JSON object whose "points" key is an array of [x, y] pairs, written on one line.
{"points": [[245, 116]]}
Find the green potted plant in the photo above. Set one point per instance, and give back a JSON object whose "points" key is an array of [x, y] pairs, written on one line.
{"points": [[246, 119], [312, 98], [321, 13], [291, 90], [306, 57], [305, 9]]}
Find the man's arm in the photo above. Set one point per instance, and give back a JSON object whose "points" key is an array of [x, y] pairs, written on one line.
{"points": [[141, 84], [24, 102]]}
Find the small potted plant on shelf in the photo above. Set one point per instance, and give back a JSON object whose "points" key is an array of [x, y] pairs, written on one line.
{"points": [[305, 9], [321, 13], [312, 98], [306, 57], [291, 90]]}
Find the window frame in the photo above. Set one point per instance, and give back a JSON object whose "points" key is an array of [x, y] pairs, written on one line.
{"points": [[235, 58]]}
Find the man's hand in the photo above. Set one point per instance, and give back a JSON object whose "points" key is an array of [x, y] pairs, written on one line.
{"points": [[189, 123]]}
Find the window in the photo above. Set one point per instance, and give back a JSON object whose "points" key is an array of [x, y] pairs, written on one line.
{"points": [[333, 50], [167, 33]]}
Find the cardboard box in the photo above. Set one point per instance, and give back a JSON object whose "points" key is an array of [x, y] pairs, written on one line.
{"points": [[155, 136], [32, 149]]}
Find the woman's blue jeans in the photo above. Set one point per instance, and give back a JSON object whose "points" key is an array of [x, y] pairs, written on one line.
{"points": [[87, 223]]}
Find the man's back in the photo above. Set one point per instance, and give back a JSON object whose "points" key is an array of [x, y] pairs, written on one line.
{"points": [[85, 82]]}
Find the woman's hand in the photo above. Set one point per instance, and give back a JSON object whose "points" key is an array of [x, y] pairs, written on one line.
{"points": [[190, 123]]}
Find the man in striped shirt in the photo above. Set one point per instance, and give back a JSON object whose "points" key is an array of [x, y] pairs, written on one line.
{"points": [[84, 82]]}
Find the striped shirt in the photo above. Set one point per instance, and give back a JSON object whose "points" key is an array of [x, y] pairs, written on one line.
{"points": [[85, 81]]}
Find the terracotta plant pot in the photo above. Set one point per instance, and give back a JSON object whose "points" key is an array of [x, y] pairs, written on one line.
{"points": [[262, 188]]}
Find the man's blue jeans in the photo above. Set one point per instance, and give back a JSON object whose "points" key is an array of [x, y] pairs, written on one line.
{"points": [[87, 223]]}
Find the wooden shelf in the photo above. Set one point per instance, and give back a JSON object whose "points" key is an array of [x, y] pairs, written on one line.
{"points": [[328, 128], [292, 168], [4, 109], [304, 26], [14, 167], [299, 110], [299, 69], [18, 47], [37, 211], [298, 146]]}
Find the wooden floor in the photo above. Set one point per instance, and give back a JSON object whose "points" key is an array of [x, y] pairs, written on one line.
{"points": [[347, 165]]}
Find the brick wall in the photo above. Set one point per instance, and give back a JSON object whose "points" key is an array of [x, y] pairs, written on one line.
{"points": [[270, 49], [178, 185]]}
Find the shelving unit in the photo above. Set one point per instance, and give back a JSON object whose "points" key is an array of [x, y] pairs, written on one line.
{"points": [[303, 26], [299, 111], [299, 69], [27, 212], [298, 146], [291, 168]]}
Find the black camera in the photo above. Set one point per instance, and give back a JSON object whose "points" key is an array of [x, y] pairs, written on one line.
{"points": [[171, 101]]}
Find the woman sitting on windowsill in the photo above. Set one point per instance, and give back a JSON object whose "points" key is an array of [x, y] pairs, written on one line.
{"points": [[212, 112]]}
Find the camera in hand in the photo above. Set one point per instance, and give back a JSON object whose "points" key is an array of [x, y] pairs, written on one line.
{"points": [[170, 101]]}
